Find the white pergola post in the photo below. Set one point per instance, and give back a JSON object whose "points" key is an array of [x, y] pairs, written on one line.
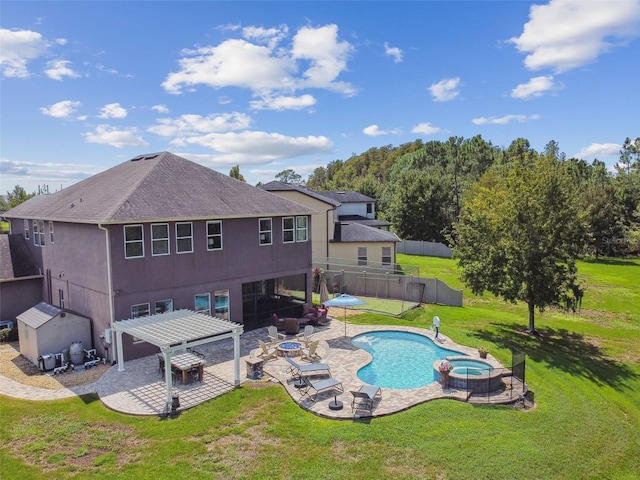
{"points": [[168, 379], [119, 350], [236, 358]]}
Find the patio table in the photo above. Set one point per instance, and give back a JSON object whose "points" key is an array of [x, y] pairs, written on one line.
{"points": [[185, 362]]}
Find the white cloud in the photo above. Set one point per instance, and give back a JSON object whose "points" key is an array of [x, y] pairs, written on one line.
{"points": [[45, 172], [374, 131], [596, 150], [253, 147], [267, 68], [113, 110], [536, 87], [106, 135], [394, 52], [57, 69], [504, 120], [63, 109], [565, 34], [189, 125], [283, 103], [445, 90], [160, 108], [426, 128], [18, 48]]}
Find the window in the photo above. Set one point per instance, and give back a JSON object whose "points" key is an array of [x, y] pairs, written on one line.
{"points": [[221, 299], [369, 207], [26, 229], [41, 227], [214, 235], [133, 241], [160, 239], [202, 303], [36, 234], [302, 231], [50, 232], [164, 306], [61, 298], [288, 228], [386, 255], [266, 231], [362, 256], [140, 310], [184, 237]]}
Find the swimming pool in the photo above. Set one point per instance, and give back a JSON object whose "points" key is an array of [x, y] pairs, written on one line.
{"points": [[400, 359]]}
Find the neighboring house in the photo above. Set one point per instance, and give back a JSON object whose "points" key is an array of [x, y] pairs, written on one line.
{"points": [[159, 233], [20, 277], [344, 224]]}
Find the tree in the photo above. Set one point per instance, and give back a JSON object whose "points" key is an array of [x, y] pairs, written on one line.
{"points": [[17, 196], [289, 176], [235, 173], [520, 233]]}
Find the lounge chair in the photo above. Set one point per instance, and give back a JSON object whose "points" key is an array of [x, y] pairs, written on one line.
{"points": [[267, 351], [305, 336], [364, 397], [309, 353], [274, 336], [297, 370], [318, 386]]}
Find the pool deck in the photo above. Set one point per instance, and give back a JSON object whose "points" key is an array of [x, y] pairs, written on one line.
{"points": [[140, 389]]}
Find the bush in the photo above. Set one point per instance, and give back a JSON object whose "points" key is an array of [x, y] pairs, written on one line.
{"points": [[8, 335]]}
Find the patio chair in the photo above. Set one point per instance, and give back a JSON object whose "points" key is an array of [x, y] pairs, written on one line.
{"points": [[305, 336], [267, 352], [297, 370], [274, 336], [291, 326], [317, 387], [309, 353], [364, 397]]}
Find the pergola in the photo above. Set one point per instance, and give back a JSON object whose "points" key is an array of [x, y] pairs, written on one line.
{"points": [[176, 330]]}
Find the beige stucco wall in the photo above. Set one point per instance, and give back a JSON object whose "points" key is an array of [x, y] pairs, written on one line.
{"points": [[322, 222], [349, 250]]}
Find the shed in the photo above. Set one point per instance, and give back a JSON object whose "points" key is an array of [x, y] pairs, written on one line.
{"points": [[45, 329]]}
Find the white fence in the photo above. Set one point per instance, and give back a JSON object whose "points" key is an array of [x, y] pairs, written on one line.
{"points": [[425, 249]]}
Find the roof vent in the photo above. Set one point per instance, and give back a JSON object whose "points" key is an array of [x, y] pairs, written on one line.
{"points": [[149, 156]]}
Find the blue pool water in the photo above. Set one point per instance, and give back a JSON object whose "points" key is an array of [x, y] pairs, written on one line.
{"points": [[400, 359], [470, 367]]}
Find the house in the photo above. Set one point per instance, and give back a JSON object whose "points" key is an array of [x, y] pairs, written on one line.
{"points": [[345, 225], [159, 233]]}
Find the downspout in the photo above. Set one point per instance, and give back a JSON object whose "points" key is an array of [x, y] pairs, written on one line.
{"points": [[109, 281], [327, 226]]}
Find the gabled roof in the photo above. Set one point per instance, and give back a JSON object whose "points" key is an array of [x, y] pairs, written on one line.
{"points": [[156, 187], [356, 232], [347, 197], [16, 260], [276, 186], [37, 316]]}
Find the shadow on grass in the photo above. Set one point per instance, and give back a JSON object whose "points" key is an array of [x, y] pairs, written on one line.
{"points": [[612, 261], [561, 349]]}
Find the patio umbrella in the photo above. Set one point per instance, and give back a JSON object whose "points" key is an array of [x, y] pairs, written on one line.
{"points": [[345, 301], [324, 291]]}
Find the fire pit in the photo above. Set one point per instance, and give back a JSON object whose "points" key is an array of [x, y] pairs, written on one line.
{"points": [[289, 349]]}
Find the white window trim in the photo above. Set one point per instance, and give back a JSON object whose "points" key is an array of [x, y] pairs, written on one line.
{"points": [[260, 231], [210, 222], [27, 229], [36, 233], [42, 234], [190, 237], [51, 232], [362, 260], [167, 239], [155, 306], [292, 230], [383, 256], [304, 229], [124, 230]]}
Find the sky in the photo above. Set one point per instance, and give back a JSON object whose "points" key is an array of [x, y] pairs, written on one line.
{"points": [[271, 86]]}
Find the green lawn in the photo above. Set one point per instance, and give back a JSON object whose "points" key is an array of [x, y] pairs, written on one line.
{"points": [[583, 369]]}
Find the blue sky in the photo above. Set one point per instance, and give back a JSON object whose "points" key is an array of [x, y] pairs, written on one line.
{"points": [[276, 85]]}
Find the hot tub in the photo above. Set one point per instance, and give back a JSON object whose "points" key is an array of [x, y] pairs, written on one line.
{"points": [[470, 374]]}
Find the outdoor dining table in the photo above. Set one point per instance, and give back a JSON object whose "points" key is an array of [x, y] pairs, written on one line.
{"points": [[185, 362]]}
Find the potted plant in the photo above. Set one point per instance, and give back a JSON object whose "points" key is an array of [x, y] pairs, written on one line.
{"points": [[445, 368], [482, 350]]}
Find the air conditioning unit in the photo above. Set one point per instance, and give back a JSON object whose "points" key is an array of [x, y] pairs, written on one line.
{"points": [[107, 336]]}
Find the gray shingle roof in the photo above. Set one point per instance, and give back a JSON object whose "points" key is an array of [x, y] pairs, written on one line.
{"points": [[156, 187], [347, 197], [356, 232], [16, 260], [276, 186], [37, 316], [371, 222]]}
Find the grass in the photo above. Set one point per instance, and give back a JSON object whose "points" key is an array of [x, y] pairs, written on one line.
{"points": [[584, 370]]}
